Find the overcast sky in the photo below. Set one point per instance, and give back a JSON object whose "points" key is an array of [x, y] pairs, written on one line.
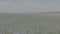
{"points": [[20, 6]]}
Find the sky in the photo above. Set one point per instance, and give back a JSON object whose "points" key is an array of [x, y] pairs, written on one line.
{"points": [[23, 6]]}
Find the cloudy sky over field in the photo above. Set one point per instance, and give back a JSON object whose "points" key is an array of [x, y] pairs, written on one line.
{"points": [[29, 5]]}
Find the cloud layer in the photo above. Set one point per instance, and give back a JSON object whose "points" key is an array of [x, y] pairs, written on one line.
{"points": [[20, 6]]}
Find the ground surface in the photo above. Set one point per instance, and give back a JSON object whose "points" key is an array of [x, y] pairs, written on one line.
{"points": [[29, 24]]}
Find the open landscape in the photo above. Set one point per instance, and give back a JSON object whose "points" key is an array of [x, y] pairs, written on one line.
{"points": [[30, 23]]}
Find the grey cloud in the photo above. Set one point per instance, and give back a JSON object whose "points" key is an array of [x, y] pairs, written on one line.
{"points": [[29, 5]]}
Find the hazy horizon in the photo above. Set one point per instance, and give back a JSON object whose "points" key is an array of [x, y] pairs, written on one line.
{"points": [[25, 6]]}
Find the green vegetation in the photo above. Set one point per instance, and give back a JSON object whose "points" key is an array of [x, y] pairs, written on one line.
{"points": [[25, 24]]}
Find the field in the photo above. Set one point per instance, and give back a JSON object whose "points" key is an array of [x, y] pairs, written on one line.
{"points": [[29, 24]]}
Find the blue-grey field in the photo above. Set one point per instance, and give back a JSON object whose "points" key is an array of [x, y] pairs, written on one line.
{"points": [[29, 24]]}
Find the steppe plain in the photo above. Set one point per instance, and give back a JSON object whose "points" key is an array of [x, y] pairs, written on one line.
{"points": [[30, 23]]}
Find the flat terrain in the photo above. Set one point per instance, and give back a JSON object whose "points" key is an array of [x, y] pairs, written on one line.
{"points": [[34, 23]]}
